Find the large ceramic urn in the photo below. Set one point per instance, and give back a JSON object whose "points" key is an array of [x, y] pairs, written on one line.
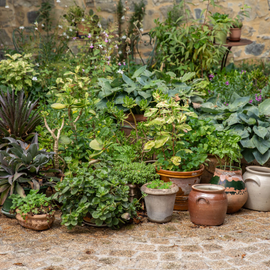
{"points": [[234, 185]]}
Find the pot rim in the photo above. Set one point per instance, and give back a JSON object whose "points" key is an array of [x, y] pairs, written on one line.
{"points": [[208, 188], [42, 216], [259, 170], [234, 171], [175, 174], [160, 192]]}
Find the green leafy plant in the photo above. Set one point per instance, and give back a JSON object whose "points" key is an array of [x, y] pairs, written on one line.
{"points": [[17, 116], [74, 15], [22, 165], [136, 172], [159, 184], [33, 204], [244, 12], [242, 118], [93, 190], [18, 72]]}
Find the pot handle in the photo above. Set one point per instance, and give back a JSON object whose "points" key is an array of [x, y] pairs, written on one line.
{"points": [[253, 178], [202, 198]]}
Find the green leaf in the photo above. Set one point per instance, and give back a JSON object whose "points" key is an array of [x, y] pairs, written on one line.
{"points": [[264, 107], [149, 145], [94, 144], [261, 144], [260, 131], [261, 158], [139, 71], [248, 155], [64, 140], [160, 141], [176, 160], [238, 103], [247, 143], [233, 119], [249, 120], [128, 81], [209, 107]]}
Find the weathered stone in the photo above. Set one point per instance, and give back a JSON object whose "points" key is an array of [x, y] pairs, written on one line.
{"points": [[19, 15], [4, 38], [198, 14], [259, 9], [264, 27], [6, 16], [237, 53], [90, 3], [132, 7], [254, 48], [32, 16], [3, 3], [106, 5], [26, 3], [247, 31], [106, 22], [165, 9]]}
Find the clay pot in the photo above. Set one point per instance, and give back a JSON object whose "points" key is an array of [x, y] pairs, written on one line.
{"points": [[36, 222], [207, 204], [234, 187], [184, 180], [159, 203], [257, 180], [127, 128], [83, 29], [235, 34]]}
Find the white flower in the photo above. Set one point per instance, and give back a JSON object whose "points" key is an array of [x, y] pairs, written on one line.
{"points": [[70, 29], [123, 17], [82, 19], [120, 52], [120, 71], [35, 23], [116, 46], [124, 37], [21, 27], [36, 28], [64, 33], [99, 25], [141, 30], [58, 1], [6, 6], [65, 5], [67, 37], [60, 26], [34, 79], [100, 46], [42, 25], [37, 64]]}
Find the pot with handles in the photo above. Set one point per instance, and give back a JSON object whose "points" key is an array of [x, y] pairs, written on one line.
{"points": [[257, 180]]}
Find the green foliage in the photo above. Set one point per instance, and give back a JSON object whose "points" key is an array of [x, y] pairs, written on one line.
{"points": [[18, 72], [135, 173], [74, 15], [93, 190], [22, 164], [246, 120], [17, 116], [33, 204], [159, 184]]}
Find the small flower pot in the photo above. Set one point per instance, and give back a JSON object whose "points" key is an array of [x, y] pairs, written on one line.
{"points": [[221, 37], [207, 204], [235, 34], [35, 222], [159, 203]]}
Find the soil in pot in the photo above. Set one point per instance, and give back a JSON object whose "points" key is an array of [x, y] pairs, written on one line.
{"points": [[36, 222], [234, 187], [184, 180], [159, 203], [207, 204]]}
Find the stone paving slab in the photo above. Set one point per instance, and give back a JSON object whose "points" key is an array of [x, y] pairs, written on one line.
{"points": [[243, 242]]}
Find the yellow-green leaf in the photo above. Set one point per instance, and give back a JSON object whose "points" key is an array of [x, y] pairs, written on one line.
{"points": [[58, 106]]}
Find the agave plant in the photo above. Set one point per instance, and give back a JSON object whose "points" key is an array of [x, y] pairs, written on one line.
{"points": [[21, 165], [17, 118]]}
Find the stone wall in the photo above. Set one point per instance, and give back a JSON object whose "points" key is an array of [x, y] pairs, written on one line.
{"points": [[16, 13]]}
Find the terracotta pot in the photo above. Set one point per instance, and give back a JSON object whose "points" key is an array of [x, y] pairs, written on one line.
{"points": [[207, 204], [36, 222], [127, 128], [257, 180], [184, 180], [83, 29], [234, 187], [235, 34], [159, 203]]}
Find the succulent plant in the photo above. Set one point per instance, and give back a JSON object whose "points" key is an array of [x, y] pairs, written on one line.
{"points": [[17, 118], [22, 164]]}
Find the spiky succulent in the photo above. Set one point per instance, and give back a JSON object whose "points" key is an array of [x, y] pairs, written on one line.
{"points": [[17, 116], [22, 164]]}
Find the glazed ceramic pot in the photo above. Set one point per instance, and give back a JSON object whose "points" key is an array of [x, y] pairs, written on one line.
{"points": [[159, 203], [235, 34], [234, 187], [257, 180], [184, 180], [35, 222], [207, 204]]}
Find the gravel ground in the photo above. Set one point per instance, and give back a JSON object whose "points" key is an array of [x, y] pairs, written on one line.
{"points": [[242, 242]]}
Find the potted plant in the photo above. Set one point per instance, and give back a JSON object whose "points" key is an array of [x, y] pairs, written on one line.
{"points": [[22, 167], [135, 174], [159, 200], [235, 31], [34, 211], [225, 146], [92, 193], [175, 161], [221, 26]]}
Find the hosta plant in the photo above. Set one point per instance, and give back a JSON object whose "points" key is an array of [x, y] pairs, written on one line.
{"points": [[242, 118], [97, 192], [22, 165], [17, 116]]}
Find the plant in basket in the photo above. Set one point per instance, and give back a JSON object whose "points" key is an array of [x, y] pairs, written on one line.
{"points": [[167, 127], [35, 211]]}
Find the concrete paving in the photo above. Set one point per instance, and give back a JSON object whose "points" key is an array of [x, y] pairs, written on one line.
{"points": [[243, 242]]}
